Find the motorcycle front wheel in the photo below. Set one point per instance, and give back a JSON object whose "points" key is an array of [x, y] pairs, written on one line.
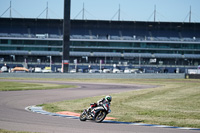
{"points": [[83, 116], [101, 115]]}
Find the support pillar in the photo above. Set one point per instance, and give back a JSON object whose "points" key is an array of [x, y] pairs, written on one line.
{"points": [[66, 36]]}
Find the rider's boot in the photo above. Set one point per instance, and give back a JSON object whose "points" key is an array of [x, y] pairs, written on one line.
{"points": [[88, 111]]}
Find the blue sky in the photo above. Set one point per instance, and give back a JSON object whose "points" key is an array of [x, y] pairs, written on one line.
{"points": [[131, 10]]}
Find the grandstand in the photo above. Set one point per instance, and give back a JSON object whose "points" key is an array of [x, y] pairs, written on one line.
{"points": [[128, 42]]}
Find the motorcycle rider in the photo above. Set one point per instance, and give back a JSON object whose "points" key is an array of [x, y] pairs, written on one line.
{"points": [[106, 100]]}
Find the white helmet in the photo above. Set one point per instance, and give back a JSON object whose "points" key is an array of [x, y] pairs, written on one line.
{"points": [[108, 98]]}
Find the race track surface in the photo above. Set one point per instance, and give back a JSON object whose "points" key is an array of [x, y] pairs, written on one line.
{"points": [[13, 115]]}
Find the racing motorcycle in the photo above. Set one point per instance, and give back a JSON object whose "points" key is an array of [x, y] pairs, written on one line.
{"points": [[96, 112]]}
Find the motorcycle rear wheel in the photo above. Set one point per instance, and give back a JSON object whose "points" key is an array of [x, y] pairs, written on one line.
{"points": [[101, 115]]}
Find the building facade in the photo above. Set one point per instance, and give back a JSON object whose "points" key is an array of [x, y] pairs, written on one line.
{"points": [[112, 42]]}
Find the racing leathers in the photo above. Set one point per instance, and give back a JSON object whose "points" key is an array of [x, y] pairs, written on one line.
{"points": [[99, 103], [104, 101]]}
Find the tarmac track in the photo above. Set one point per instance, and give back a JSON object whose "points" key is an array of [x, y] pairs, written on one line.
{"points": [[13, 115]]}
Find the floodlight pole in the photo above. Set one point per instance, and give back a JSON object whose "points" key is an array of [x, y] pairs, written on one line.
{"points": [[66, 36], [154, 13], [190, 14], [10, 9]]}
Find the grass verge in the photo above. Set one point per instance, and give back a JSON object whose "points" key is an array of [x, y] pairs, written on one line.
{"points": [[173, 103], [18, 86], [6, 131]]}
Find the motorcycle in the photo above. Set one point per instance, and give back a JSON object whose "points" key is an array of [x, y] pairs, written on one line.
{"points": [[96, 112]]}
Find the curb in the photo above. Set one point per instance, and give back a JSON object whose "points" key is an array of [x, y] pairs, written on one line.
{"points": [[39, 110]]}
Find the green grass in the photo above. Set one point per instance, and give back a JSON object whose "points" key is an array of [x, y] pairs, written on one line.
{"points": [[173, 103], [18, 86], [6, 131]]}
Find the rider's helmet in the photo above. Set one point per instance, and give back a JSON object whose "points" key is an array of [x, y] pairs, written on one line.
{"points": [[108, 98]]}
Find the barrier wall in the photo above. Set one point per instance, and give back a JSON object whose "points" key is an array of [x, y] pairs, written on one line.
{"points": [[94, 76], [192, 76]]}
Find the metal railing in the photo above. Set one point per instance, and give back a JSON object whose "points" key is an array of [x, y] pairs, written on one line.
{"points": [[108, 37]]}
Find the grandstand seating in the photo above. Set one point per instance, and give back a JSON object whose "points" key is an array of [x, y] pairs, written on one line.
{"points": [[168, 55], [91, 29], [103, 54], [53, 53], [117, 40], [80, 53], [137, 55], [192, 56], [14, 52]]}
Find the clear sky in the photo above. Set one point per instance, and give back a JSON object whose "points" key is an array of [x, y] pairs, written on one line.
{"points": [[131, 10]]}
